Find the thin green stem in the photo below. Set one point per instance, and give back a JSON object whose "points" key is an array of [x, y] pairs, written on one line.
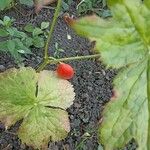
{"points": [[42, 66], [52, 28], [54, 61]]}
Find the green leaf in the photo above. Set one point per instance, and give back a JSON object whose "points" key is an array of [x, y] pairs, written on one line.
{"points": [[21, 48], [65, 6], [3, 33], [38, 42], [1, 22], [11, 45], [5, 4], [27, 2], [126, 116], [29, 28], [41, 99], [17, 94], [124, 41], [37, 31], [112, 41], [3, 46], [16, 33], [7, 21], [28, 42], [44, 25]]}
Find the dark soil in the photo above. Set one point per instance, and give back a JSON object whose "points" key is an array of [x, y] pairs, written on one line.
{"points": [[92, 83]]}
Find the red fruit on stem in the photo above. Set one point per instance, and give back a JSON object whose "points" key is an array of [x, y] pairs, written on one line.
{"points": [[65, 71]]}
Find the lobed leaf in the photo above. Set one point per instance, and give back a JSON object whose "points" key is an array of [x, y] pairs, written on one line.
{"points": [[44, 124], [124, 41], [40, 99], [57, 94], [126, 116]]}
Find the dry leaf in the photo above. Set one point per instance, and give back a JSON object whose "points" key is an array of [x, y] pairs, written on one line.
{"points": [[40, 3]]}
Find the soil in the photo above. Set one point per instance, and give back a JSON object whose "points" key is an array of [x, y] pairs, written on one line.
{"points": [[92, 84]]}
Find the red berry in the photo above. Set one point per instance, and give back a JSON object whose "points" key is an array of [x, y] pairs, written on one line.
{"points": [[65, 71]]}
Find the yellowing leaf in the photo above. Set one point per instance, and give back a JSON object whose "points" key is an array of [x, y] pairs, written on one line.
{"points": [[40, 99], [58, 93], [42, 125], [124, 41]]}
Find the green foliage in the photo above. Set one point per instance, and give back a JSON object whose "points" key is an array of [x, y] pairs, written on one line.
{"points": [[27, 2], [41, 100], [124, 41], [5, 4], [18, 43], [98, 7], [58, 50], [66, 4]]}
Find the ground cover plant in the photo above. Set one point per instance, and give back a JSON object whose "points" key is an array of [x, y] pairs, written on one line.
{"points": [[98, 7], [18, 43], [41, 97]]}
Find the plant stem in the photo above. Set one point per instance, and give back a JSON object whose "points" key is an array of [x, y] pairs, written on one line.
{"points": [[72, 58], [52, 60], [42, 66], [52, 28]]}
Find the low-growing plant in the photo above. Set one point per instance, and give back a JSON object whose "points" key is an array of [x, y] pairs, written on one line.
{"points": [[66, 4], [124, 42], [6, 4], [19, 43], [98, 7], [58, 50]]}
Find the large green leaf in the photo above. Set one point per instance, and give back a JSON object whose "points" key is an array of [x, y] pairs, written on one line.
{"points": [[126, 116], [41, 99], [124, 41]]}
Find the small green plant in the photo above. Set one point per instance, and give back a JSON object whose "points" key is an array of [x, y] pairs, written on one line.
{"points": [[18, 43], [98, 7], [58, 50], [6, 4], [124, 42], [66, 4], [37, 33], [27, 2]]}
